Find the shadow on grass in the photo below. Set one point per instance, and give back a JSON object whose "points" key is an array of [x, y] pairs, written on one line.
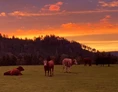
{"points": [[71, 72]]}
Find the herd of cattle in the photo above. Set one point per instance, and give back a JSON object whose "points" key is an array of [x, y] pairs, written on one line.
{"points": [[66, 62]]}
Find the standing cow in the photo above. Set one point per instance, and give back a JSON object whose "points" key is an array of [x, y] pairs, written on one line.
{"points": [[49, 67], [87, 61], [103, 58], [67, 63], [15, 71]]}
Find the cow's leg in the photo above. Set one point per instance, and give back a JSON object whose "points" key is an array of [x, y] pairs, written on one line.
{"points": [[52, 71], [89, 63], [45, 72], [69, 70], [48, 72], [108, 63], [85, 63], [63, 68], [20, 73], [66, 69]]}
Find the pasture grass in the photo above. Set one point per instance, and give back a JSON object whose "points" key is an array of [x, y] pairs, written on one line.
{"points": [[81, 79]]}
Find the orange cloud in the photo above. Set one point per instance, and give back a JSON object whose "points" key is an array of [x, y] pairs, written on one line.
{"points": [[18, 13], [52, 7], [106, 22], [103, 26], [2, 14], [70, 26], [55, 7], [26, 14], [106, 19], [108, 4]]}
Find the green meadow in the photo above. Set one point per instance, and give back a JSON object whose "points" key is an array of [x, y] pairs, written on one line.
{"points": [[81, 79]]}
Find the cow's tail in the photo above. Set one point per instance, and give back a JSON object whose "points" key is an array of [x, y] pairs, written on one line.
{"points": [[63, 65]]}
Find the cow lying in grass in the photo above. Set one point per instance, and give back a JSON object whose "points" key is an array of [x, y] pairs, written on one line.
{"points": [[67, 63], [15, 71], [49, 67]]}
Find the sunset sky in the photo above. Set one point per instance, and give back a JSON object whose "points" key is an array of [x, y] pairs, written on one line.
{"points": [[90, 22]]}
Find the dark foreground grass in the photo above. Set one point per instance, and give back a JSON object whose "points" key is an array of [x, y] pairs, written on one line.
{"points": [[81, 79]]}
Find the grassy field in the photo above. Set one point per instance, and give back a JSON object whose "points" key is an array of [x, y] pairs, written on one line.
{"points": [[81, 79]]}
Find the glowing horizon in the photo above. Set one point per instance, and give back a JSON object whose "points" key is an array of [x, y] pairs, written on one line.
{"points": [[98, 45]]}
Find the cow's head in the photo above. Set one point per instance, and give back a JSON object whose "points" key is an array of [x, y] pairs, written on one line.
{"points": [[74, 61], [20, 68], [45, 62]]}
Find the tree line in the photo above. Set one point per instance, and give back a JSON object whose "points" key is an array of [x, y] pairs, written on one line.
{"points": [[16, 51]]}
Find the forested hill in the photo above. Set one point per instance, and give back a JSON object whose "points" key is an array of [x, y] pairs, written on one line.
{"points": [[49, 45]]}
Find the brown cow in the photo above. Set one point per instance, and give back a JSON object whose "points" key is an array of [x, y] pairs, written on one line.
{"points": [[15, 71], [67, 63], [49, 67], [87, 61]]}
